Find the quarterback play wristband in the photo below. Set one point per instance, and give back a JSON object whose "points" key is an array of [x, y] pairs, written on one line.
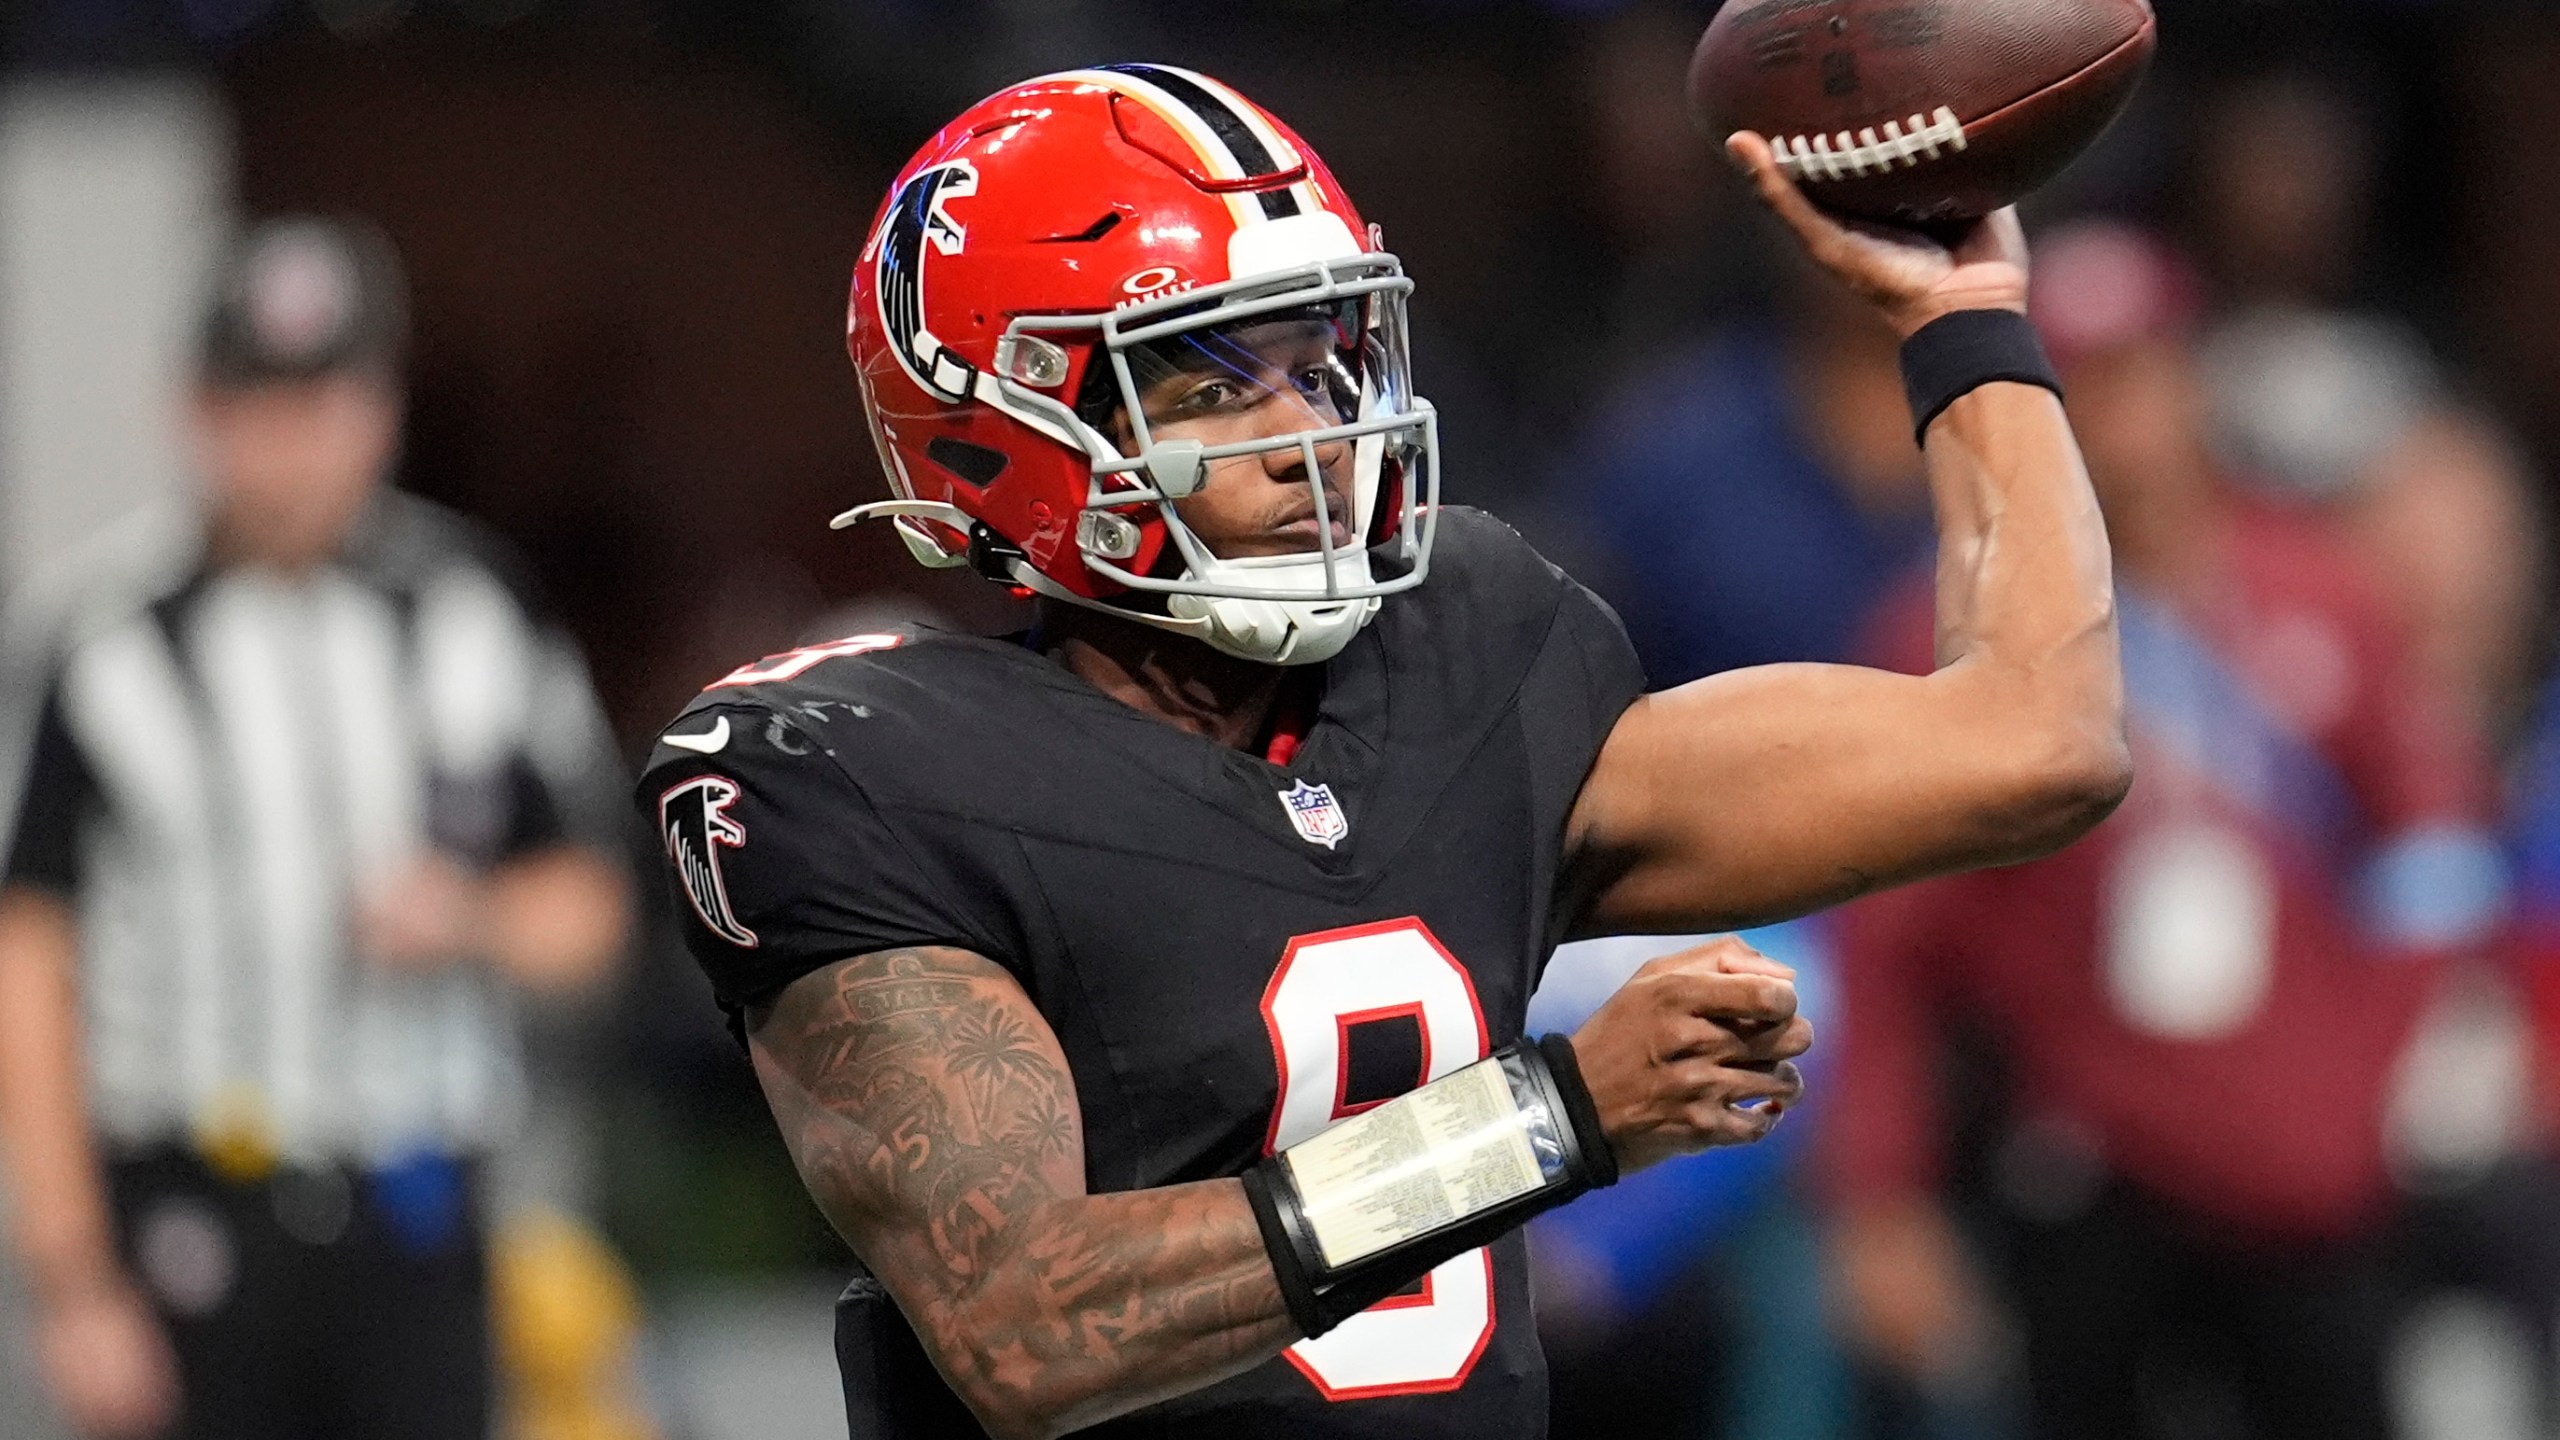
{"points": [[1955, 355], [1364, 1209]]}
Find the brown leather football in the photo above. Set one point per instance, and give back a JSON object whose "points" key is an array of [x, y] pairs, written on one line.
{"points": [[1921, 111]]}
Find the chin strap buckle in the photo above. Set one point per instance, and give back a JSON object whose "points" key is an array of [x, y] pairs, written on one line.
{"points": [[992, 555]]}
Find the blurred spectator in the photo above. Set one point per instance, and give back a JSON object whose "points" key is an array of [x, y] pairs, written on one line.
{"points": [[1797, 441], [1656, 205], [2350, 412], [2329, 401], [310, 798], [2194, 1020], [2326, 399], [2284, 185]]}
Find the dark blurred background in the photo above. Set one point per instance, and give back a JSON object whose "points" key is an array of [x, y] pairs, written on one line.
{"points": [[619, 218], [629, 226]]}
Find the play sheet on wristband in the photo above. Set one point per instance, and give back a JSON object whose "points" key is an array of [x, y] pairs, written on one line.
{"points": [[1448, 1151]]}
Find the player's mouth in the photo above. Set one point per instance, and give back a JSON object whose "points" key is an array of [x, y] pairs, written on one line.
{"points": [[1301, 530], [1302, 533]]}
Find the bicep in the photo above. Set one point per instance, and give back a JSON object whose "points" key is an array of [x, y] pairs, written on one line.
{"points": [[927, 1105], [1770, 792]]}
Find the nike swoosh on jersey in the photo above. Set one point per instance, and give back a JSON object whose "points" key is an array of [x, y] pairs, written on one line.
{"points": [[709, 742]]}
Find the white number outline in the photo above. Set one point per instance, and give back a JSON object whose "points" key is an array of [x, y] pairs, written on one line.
{"points": [[1458, 1289], [790, 664]]}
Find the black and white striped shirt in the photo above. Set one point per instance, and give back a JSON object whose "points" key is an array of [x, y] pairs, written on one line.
{"points": [[221, 759]]}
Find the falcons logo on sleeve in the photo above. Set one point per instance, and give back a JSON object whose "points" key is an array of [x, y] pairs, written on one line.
{"points": [[694, 819]]}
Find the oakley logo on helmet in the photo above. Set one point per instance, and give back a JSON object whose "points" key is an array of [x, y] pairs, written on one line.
{"points": [[1154, 283], [920, 217]]}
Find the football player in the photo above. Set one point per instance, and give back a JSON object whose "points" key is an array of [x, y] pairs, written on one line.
{"points": [[1142, 996]]}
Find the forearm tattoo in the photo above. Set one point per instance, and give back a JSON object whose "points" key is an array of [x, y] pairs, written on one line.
{"points": [[933, 1118]]}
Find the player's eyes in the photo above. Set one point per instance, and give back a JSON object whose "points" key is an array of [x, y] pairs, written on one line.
{"points": [[1319, 381], [1211, 397], [1323, 388]]}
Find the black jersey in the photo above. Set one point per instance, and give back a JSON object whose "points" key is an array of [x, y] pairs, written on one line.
{"points": [[1233, 954]]}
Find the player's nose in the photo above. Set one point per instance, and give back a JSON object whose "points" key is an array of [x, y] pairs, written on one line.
{"points": [[1293, 413]]}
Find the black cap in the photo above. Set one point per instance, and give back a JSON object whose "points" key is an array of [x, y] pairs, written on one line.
{"points": [[300, 297]]}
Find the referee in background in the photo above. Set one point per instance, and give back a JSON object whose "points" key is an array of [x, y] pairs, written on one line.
{"points": [[308, 802]]}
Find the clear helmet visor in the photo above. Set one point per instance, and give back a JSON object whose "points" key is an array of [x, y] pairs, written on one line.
{"points": [[1275, 432], [1283, 384]]}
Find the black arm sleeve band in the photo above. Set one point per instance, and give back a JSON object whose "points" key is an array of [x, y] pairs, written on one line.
{"points": [[40, 845], [1955, 355], [1320, 1297]]}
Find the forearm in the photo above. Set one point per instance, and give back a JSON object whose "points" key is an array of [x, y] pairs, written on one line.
{"points": [[2025, 589], [62, 1233], [933, 1118], [1100, 1305]]}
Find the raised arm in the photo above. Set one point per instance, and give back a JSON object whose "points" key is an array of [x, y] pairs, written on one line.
{"points": [[932, 1115], [1773, 791]]}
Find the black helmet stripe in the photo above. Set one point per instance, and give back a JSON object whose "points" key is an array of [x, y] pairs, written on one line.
{"points": [[1251, 155]]}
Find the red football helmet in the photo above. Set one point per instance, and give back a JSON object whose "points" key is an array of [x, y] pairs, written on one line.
{"points": [[1055, 248]]}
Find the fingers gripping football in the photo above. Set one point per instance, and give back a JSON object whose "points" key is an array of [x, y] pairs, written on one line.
{"points": [[1911, 277], [1696, 1050]]}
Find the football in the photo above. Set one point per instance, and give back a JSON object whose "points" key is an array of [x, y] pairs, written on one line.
{"points": [[1920, 112]]}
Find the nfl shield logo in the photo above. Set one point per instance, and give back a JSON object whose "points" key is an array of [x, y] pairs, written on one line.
{"points": [[1316, 813]]}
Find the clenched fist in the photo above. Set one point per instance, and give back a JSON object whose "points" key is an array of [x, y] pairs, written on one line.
{"points": [[1694, 1051]]}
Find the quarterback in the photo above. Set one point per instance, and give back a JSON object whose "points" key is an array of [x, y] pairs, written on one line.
{"points": [[1142, 996]]}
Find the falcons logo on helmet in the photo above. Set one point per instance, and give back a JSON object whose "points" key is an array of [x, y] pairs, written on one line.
{"points": [[919, 217], [694, 819]]}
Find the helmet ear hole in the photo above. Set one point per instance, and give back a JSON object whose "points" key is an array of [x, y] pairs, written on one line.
{"points": [[977, 464]]}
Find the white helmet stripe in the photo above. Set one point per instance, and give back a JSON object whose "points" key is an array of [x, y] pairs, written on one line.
{"points": [[1213, 151], [1232, 137], [1284, 156], [1248, 143]]}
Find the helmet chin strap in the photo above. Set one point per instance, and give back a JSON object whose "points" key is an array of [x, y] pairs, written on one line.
{"points": [[1279, 631], [1266, 632]]}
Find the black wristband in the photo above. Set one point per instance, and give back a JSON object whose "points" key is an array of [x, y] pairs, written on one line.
{"points": [[1264, 1189], [1957, 354], [1320, 1297], [1564, 1069]]}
